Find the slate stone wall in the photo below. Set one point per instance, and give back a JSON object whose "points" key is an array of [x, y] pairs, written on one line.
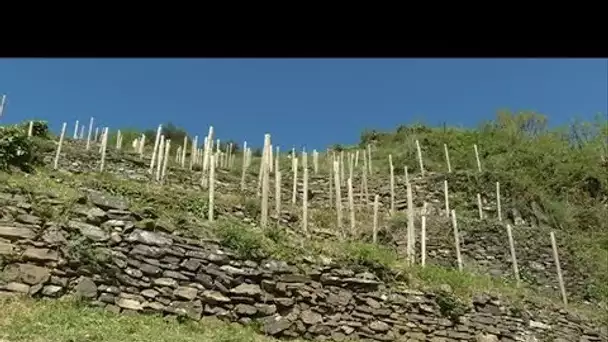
{"points": [[107, 254]]}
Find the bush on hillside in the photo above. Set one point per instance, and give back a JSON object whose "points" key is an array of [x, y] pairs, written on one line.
{"points": [[40, 128], [170, 131], [17, 149], [562, 168]]}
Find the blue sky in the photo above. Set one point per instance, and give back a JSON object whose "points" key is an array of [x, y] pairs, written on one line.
{"points": [[311, 102]]}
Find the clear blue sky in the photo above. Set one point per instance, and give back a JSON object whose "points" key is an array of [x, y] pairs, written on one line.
{"points": [[312, 102]]}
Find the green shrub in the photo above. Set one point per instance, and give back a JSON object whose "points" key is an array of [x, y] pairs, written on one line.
{"points": [[17, 149], [40, 128]]}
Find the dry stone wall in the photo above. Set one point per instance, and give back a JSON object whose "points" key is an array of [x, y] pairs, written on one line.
{"points": [[483, 243], [103, 252]]}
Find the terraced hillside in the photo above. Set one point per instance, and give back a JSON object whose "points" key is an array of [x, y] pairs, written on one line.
{"points": [[133, 244]]}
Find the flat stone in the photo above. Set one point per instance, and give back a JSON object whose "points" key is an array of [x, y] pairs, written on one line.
{"points": [[193, 310], [134, 273], [17, 287], [168, 282], [149, 238], [6, 248], [379, 326], [16, 233], [41, 254], [129, 304], [28, 219], [247, 290], [30, 274], [54, 236], [275, 326], [486, 338], [174, 275], [245, 310], [215, 296], [90, 231], [86, 288], [51, 290], [149, 293], [150, 270], [310, 317], [539, 325], [107, 202], [266, 309], [184, 292], [149, 251], [191, 264]]}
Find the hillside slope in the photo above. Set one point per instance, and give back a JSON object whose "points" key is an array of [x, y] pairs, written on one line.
{"points": [[179, 206]]}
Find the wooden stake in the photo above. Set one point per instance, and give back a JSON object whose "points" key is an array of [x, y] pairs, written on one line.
{"points": [[305, 194], [159, 156], [270, 159], [420, 157], [351, 165], [446, 197], [266, 161], [277, 158], [375, 227], [244, 166], [558, 268], [182, 159], [194, 149], [423, 236], [165, 160], [76, 130], [513, 257], [155, 151], [331, 182], [369, 161], [351, 206], [118, 140], [56, 163], [277, 194], [142, 144], [104, 148], [479, 206], [338, 196], [2, 103], [392, 183], [30, 129], [410, 225], [89, 134], [228, 164], [477, 158], [211, 182], [498, 208], [342, 178], [447, 158], [456, 240], [365, 185], [294, 191]]}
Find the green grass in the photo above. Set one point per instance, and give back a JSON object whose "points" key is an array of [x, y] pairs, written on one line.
{"points": [[28, 320]]}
